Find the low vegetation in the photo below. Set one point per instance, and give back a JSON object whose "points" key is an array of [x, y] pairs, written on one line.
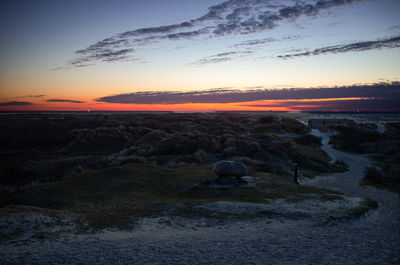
{"points": [[121, 195], [386, 176], [382, 148], [41, 148], [109, 171]]}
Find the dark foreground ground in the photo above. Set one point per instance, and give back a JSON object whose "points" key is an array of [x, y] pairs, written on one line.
{"points": [[118, 189], [110, 169]]}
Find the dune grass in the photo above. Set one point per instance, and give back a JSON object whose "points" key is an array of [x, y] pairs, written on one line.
{"points": [[121, 195]]}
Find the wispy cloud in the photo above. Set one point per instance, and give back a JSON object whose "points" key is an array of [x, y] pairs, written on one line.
{"points": [[227, 18], [256, 42], [221, 57], [15, 103], [393, 42], [64, 100], [106, 55], [33, 96], [264, 41], [381, 91], [395, 28]]}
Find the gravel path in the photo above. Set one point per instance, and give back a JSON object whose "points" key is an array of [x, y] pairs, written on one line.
{"points": [[372, 239]]}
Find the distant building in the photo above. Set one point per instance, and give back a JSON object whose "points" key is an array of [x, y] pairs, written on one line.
{"points": [[318, 123]]}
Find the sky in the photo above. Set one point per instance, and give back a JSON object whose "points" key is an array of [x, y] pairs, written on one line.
{"points": [[190, 55]]}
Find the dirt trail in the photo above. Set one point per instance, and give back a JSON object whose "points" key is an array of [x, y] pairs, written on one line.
{"points": [[348, 182]]}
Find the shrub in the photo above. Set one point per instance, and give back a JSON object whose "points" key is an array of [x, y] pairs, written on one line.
{"points": [[352, 138], [308, 139], [268, 119], [293, 126], [374, 175]]}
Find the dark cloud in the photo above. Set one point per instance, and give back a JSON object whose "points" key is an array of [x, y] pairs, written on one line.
{"points": [[110, 56], [157, 30], [185, 35], [33, 96], [382, 92], [228, 17], [225, 54], [393, 42], [375, 104], [105, 55], [369, 104], [15, 103], [65, 100]]}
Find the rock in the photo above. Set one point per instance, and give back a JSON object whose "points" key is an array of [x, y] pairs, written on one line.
{"points": [[227, 180], [230, 169]]}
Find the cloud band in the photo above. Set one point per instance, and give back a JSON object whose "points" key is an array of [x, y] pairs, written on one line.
{"points": [[228, 95]]}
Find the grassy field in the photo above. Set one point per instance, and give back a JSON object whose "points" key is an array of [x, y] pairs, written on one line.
{"points": [[121, 195]]}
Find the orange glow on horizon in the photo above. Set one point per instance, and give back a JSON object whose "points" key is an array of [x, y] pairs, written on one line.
{"points": [[140, 107], [261, 105]]}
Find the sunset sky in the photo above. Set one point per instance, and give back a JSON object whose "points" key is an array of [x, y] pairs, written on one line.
{"points": [[200, 55]]}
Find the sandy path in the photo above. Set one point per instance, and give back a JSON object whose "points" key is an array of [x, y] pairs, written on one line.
{"points": [[373, 239]]}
